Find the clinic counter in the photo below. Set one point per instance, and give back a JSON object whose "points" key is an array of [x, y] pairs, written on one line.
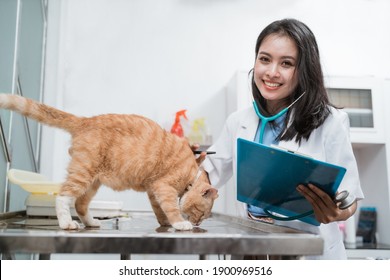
{"points": [[139, 233]]}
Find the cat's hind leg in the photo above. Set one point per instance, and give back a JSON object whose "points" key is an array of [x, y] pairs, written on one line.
{"points": [[75, 186], [82, 204]]}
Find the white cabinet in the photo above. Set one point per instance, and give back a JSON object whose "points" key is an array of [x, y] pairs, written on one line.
{"points": [[238, 92], [362, 99]]}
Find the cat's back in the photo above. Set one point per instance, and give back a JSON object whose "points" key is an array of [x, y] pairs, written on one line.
{"points": [[126, 122], [131, 133], [133, 149]]}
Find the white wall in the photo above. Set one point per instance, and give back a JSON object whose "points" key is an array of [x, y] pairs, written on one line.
{"points": [[154, 57]]}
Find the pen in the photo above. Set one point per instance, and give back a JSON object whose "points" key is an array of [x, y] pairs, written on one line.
{"points": [[207, 152]]}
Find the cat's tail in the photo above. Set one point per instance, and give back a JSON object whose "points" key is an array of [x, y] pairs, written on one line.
{"points": [[39, 112]]}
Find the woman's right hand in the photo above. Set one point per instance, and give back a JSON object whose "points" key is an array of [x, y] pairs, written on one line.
{"points": [[202, 155]]}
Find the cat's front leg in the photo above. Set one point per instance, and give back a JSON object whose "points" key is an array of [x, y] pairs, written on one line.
{"points": [[158, 212], [167, 199], [64, 217]]}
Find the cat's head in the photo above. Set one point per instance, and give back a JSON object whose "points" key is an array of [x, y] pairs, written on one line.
{"points": [[197, 202]]}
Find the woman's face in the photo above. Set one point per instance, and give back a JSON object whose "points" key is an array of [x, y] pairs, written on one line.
{"points": [[274, 70]]}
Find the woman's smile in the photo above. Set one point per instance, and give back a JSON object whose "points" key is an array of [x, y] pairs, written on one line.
{"points": [[271, 85]]}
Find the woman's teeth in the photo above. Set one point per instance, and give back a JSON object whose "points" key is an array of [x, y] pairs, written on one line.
{"points": [[271, 84]]}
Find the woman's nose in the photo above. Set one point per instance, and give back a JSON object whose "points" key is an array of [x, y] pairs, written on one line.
{"points": [[273, 71]]}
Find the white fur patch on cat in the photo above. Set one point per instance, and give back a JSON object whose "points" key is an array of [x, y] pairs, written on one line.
{"points": [[185, 225], [89, 221], [63, 204]]}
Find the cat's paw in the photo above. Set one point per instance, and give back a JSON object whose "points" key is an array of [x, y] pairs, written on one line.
{"points": [[69, 225], [185, 225], [93, 223], [89, 221]]}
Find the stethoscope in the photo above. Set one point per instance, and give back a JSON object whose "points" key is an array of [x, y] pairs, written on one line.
{"points": [[265, 120], [343, 198]]}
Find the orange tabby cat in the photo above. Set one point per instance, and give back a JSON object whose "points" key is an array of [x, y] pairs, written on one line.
{"points": [[124, 152]]}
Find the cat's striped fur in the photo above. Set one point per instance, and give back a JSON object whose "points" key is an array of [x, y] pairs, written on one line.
{"points": [[124, 152]]}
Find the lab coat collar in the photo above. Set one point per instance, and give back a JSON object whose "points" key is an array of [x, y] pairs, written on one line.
{"points": [[248, 127]]}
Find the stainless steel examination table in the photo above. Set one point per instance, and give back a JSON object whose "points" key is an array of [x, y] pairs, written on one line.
{"points": [[139, 233]]}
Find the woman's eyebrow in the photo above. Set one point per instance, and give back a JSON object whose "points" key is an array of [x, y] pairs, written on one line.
{"points": [[288, 57], [283, 57], [263, 52]]}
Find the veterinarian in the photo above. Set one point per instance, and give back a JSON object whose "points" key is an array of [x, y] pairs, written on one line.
{"points": [[287, 74]]}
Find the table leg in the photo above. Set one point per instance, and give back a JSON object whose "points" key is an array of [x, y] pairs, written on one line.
{"points": [[125, 257], [44, 256]]}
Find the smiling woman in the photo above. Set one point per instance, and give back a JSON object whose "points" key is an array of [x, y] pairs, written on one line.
{"points": [[288, 64], [291, 109]]}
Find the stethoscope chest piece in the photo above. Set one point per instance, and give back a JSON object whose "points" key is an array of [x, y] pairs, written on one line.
{"points": [[345, 199]]}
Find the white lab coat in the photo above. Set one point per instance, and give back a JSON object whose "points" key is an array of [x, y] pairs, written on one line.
{"points": [[330, 142]]}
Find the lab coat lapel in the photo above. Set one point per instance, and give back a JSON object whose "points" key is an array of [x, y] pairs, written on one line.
{"points": [[248, 126], [291, 145]]}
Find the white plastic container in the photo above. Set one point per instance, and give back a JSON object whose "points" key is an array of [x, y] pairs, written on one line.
{"points": [[41, 201], [31, 182]]}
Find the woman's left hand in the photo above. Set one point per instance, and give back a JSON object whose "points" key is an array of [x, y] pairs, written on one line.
{"points": [[325, 209]]}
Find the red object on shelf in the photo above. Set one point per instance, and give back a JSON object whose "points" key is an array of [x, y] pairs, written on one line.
{"points": [[177, 127]]}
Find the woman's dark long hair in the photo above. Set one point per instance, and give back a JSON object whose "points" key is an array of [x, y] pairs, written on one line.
{"points": [[313, 108]]}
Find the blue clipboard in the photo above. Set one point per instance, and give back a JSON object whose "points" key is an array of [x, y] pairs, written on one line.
{"points": [[267, 177]]}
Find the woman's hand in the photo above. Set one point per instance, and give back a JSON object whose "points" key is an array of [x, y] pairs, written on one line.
{"points": [[200, 158], [325, 209], [202, 155]]}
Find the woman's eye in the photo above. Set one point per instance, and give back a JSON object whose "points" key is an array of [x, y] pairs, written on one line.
{"points": [[287, 64], [263, 59]]}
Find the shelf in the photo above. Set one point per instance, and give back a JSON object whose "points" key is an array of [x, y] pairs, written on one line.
{"points": [[368, 246], [358, 111], [368, 251]]}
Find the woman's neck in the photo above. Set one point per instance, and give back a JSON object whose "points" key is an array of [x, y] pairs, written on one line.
{"points": [[275, 106]]}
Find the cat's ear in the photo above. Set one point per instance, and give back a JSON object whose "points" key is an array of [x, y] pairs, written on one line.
{"points": [[210, 192]]}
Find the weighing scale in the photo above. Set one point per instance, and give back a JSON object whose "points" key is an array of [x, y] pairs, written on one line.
{"points": [[41, 201]]}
